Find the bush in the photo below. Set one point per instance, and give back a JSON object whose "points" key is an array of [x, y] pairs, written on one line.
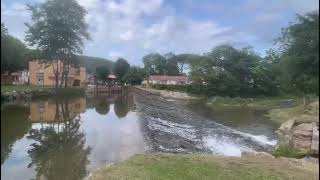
{"points": [[287, 151]]}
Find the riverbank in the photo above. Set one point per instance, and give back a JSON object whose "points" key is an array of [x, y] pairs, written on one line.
{"points": [[170, 94], [24, 92], [193, 166]]}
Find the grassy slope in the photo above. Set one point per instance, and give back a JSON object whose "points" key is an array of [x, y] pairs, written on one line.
{"points": [[184, 167]]}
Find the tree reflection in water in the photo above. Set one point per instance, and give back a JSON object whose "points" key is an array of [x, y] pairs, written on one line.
{"points": [[123, 105], [14, 125], [59, 151], [102, 106]]}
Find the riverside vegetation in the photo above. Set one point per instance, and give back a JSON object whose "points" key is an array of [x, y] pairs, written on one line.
{"points": [[292, 67]]}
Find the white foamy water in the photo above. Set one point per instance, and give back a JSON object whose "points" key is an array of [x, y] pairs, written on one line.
{"points": [[181, 130], [223, 146]]}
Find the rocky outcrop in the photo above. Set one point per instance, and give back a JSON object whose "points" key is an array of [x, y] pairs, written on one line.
{"points": [[302, 132]]}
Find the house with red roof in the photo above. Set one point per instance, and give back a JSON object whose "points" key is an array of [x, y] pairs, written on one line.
{"points": [[170, 80]]}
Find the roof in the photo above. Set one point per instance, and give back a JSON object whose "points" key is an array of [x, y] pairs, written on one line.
{"points": [[170, 78], [111, 76]]}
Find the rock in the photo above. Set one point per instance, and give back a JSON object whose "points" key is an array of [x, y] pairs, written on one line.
{"points": [[286, 126], [305, 118], [315, 139], [313, 108], [304, 127], [302, 137]]}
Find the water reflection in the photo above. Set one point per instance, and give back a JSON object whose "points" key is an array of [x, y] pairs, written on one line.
{"points": [[122, 103], [68, 138], [14, 125], [59, 151]]}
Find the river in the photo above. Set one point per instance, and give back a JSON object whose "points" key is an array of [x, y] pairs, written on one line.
{"points": [[61, 138]]}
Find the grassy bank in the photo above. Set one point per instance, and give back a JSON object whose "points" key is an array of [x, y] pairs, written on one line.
{"points": [[184, 167]]}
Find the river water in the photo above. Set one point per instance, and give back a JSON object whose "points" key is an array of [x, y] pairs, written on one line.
{"points": [[65, 138]]}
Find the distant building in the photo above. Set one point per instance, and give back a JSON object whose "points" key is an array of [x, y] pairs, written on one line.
{"points": [[169, 80], [15, 78], [41, 73]]}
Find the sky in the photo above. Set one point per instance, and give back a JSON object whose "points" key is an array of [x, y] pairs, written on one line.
{"points": [[134, 28]]}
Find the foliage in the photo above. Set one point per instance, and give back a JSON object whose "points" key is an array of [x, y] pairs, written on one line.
{"points": [[287, 151], [14, 53], [134, 76], [58, 31], [154, 63], [169, 64], [121, 67], [227, 71], [102, 73], [299, 55]]}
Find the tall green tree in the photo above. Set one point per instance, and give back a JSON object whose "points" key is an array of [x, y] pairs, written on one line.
{"points": [[171, 68], [58, 30], [299, 49], [102, 73], [121, 67], [155, 64], [14, 53], [135, 75]]}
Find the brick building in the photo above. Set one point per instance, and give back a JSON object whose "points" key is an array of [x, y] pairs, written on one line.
{"points": [[41, 73]]}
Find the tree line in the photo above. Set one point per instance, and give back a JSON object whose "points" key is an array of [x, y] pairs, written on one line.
{"points": [[58, 31], [292, 67]]}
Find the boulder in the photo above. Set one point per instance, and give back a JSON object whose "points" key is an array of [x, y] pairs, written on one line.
{"points": [[302, 137]]}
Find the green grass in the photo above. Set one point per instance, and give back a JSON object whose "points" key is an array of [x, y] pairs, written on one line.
{"points": [[18, 88], [287, 151], [45, 91], [202, 167], [257, 102], [281, 115]]}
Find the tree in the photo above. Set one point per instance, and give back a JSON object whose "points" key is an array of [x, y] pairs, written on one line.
{"points": [[14, 53], [155, 64], [102, 73], [299, 52], [171, 64], [58, 30], [120, 68], [135, 75]]}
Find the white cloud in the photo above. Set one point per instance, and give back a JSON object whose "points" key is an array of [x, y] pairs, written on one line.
{"points": [[133, 28]]}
